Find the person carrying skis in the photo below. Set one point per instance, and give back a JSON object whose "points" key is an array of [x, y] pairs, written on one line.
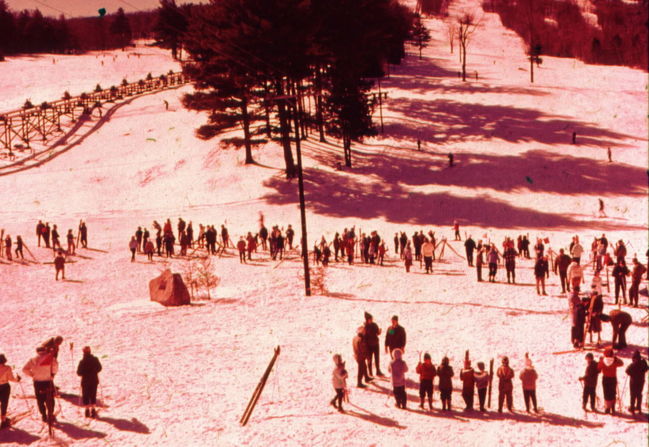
{"points": [[467, 376], [6, 376], [398, 369], [42, 370], [426, 371], [482, 383], [395, 336], [608, 367], [445, 374], [589, 380], [636, 371], [339, 380], [528, 378], [89, 369], [505, 386], [372, 332]]}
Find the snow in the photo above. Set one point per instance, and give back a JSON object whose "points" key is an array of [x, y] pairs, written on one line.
{"points": [[183, 376]]}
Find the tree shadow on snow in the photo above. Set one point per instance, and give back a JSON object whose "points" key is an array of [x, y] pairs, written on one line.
{"points": [[133, 424], [16, 436]]}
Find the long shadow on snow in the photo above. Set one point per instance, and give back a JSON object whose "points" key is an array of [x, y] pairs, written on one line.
{"points": [[374, 418], [76, 432], [17, 436], [133, 424], [341, 195]]}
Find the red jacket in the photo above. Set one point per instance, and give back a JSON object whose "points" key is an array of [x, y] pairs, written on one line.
{"points": [[426, 371], [609, 370]]}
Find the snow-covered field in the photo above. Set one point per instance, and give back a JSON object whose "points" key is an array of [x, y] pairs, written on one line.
{"points": [[183, 376]]}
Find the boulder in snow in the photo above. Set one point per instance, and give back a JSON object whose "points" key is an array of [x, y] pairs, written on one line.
{"points": [[169, 289]]}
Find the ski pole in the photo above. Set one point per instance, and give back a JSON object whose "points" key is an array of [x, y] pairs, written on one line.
{"points": [[22, 390]]}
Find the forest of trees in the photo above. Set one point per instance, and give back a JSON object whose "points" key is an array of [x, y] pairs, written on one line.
{"points": [[559, 28], [28, 31], [275, 68]]}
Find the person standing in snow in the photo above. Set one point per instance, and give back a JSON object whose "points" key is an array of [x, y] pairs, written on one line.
{"points": [[575, 275], [469, 246], [636, 277], [576, 250], [339, 380], [149, 249], [482, 383], [42, 370], [407, 257], [132, 245], [596, 307], [492, 260], [70, 239], [541, 271], [89, 369], [56, 243], [290, 234], [372, 332], [6, 376], [83, 234], [395, 336], [398, 369], [19, 248], [456, 229], [561, 265], [138, 237], [360, 354], [467, 376], [636, 371], [426, 371], [479, 261], [445, 374], [620, 272], [241, 246], [528, 378], [59, 265], [505, 386], [510, 254], [608, 367], [589, 380], [427, 250], [39, 231]]}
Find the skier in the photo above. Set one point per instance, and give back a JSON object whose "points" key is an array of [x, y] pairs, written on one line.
{"points": [[55, 238], [620, 272], [589, 380], [52, 345], [450, 160], [337, 246], [395, 336], [608, 367], [426, 371], [19, 247], [263, 234], [445, 374], [601, 208], [241, 246], [469, 246], [492, 260], [132, 245], [636, 371], [479, 261], [6, 375], [225, 236], [467, 376], [456, 228], [46, 234], [89, 369], [8, 247], [339, 380], [596, 308], [70, 238], [528, 378], [83, 234], [149, 249], [372, 332], [578, 316], [39, 231], [396, 243], [59, 265], [620, 251], [541, 271], [360, 354], [509, 255], [576, 250], [636, 277], [398, 369], [42, 370], [505, 387], [290, 234], [482, 383]]}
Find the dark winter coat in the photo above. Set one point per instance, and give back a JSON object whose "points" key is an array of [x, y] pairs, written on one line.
{"points": [[620, 272], [467, 376], [395, 337], [360, 348], [590, 376], [541, 268], [372, 332], [445, 373], [426, 371], [505, 375], [469, 245], [637, 372], [89, 368], [562, 262]]}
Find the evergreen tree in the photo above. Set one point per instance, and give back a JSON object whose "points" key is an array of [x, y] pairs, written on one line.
{"points": [[171, 25], [7, 29], [121, 28], [420, 35]]}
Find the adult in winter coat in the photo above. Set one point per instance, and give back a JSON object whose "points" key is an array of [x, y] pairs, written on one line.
{"points": [[589, 380], [479, 261], [528, 378], [595, 309], [620, 272], [39, 231], [395, 336], [83, 234], [636, 277], [59, 265], [541, 271], [42, 369], [469, 246], [620, 322], [132, 245], [360, 354], [407, 257], [620, 251], [637, 372], [52, 345], [578, 318], [575, 275], [467, 376], [426, 371], [6, 376], [89, 369], [427, 250], [241, 246], [510, 255], [19, 250], [482, 383], [561, 264], [445, 374], [576, 250], [608, 367], [372, 332], [398, 369], [492, 259], [339, 381], [505, 386]]}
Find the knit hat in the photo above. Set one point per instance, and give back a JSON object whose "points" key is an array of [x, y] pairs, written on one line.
{"points": [[368, 316], [395, 318], [608, 352], [427, 356]]}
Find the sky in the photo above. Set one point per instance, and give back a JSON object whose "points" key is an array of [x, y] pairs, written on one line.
{"points": [[76, 8]]}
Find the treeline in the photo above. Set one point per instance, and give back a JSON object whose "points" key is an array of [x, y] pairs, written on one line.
{"points": [[28, 31], [433, 7], [285, 68], [616, 33]]}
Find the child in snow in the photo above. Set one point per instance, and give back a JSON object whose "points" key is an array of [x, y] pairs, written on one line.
{"points": [[505, 387], [6, 375], [426, 371], [339, 379], [608, 367], [636, 371], [528, 378], [589, 380], [482, 383], [445, 373], [398, 368], [467, 376]]}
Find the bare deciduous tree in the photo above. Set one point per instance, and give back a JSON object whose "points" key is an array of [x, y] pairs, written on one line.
{"points": [[466, 27]]}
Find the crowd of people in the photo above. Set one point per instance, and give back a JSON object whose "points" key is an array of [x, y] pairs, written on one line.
{"points": [[43, 368], [366, 349]]}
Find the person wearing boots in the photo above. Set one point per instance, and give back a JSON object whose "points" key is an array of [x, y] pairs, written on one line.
{"points": [[505, 386], [372, 332], [89, 369], [608, 367], [637, 372], [360, 354], [339, 380], [6, 376], [426, 371], [42, 370]]}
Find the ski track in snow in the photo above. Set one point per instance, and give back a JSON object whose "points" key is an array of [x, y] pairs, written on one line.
{"points": [[183, 376]]}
